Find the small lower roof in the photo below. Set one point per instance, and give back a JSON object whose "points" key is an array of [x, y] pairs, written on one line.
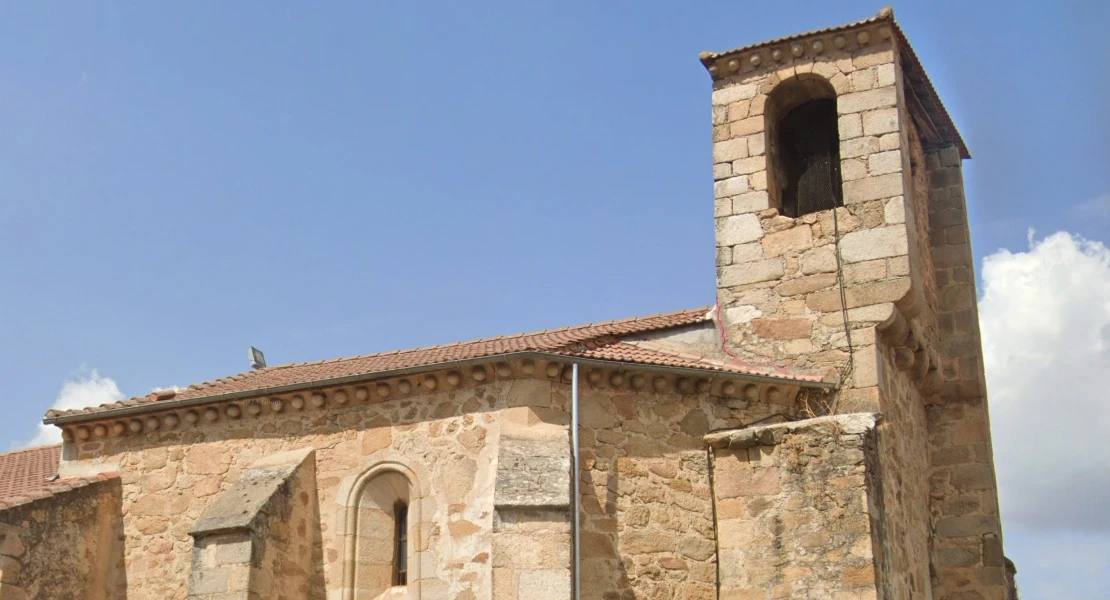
{"points": [[32, 474]]}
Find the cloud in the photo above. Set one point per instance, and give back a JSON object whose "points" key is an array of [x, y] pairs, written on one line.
{"points": [[86, 388], [1098, 207], [1045, 319]]}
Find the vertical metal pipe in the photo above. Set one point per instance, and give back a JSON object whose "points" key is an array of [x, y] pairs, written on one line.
{"points": [[576, 477]]}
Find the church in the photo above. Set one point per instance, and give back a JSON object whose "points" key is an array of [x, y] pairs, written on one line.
{"points": [[818, 430]]}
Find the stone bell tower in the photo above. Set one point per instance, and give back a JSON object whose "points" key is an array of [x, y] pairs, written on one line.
{"points": [[843, 248]]}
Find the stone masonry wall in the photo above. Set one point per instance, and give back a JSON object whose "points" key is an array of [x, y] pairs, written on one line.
{"points": [[647, 526], [967, 543], [170, 477], [907, 284], [798, 510], [531, 554], [532, 522], [647, 522], [777, 277], [64, 547]]}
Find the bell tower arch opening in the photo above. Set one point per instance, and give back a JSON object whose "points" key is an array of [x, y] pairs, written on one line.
{"points": [[803, 144]]}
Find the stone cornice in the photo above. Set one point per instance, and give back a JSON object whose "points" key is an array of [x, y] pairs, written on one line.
{"points": [[771, 54], [875, 32], [164, 417]]}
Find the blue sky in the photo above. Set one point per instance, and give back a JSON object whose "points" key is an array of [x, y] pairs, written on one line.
{"points": [[180, 183]]}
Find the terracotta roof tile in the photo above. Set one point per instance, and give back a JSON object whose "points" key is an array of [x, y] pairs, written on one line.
{"points": [[24, 473], [640, 353], [308, 372]]}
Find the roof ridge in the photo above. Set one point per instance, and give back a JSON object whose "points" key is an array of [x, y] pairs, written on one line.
{"points": [[501, 337]]}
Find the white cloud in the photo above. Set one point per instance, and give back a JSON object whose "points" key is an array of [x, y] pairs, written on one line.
{"points": [[86, 388], [1045, 318]]}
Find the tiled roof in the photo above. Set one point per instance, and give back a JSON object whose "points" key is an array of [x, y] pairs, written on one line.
{"points": [[917, 78], [599, 341], [305, 373], [24, 473], [646, 354]]}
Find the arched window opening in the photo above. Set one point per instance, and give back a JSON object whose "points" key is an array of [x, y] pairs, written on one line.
{"points": [[804, 145], [382, 550]]}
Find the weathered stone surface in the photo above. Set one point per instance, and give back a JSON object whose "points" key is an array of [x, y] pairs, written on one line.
{"points": [[750, 202], [730, 150], [788, 329], [867, 294], [850, 126], [790, 240], [763, 270], [870, 244], [878, 122], [733, 186], [864, 101], [807, 284], [894, 211], [876, 187], [745, 253], [770, 522], [819, 260], [858, 147], [64, 546], [239, 507], [884, 162], [733, 93], [738, 229], [747, 166], [533, 470]]}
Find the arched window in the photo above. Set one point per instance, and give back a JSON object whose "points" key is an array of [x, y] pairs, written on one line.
{"points": [[804, 146], [382, 526]]}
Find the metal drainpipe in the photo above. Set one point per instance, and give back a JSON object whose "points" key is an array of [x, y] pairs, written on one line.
{"points": [[575, 481]]}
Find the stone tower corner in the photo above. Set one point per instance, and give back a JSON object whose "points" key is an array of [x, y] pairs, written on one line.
{"points": [[872, 280]]}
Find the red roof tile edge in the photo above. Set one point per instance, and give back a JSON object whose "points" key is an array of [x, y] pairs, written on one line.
{"points": [[556, 342], [58, 486], [627, 352], [24, 476], [538, 341]]}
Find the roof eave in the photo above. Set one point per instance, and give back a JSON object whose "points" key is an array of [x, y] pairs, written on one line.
{"points": [[364, 377]]}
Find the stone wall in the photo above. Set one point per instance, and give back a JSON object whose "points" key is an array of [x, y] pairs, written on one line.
{"points": [[778, 277], [647, 526], [799, 510], [904, 273], [967, 543], [171, 477], [647, 523], [532, 523], [531, 554], [65, 546]]}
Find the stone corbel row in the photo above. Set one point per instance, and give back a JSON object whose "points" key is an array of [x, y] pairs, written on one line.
{"points": [[399, 387], [619, 379], [372, 392], [773, 55]]}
